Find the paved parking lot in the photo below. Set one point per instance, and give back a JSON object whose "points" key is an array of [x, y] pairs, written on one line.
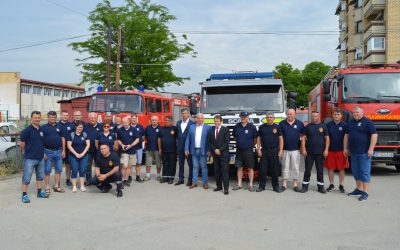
{"points": [[162, 216]]}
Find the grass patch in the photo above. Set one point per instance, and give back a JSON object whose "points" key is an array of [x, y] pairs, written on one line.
{"points": [[12, 165]]}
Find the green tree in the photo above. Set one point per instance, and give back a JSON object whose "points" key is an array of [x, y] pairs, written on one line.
{"points": [[149, 47]]}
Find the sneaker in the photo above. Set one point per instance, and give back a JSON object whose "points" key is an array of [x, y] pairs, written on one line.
{"points": [[74, 189], [146, 178], [129, 179], [363, 197], [252, 189], [237, 188], [330, 188], [138, 179], [158, 178], [119, 194], [68, 183], [107, 188], [283, 189], [341, 188], [355, 192], [260, 189], [296, 189], [25, 199], [126, 183], [83, 189], [42, 194], [321, 189]]}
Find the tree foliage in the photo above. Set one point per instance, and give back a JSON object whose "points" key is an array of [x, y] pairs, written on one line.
{"points": [[149, 46], [301, 81]]}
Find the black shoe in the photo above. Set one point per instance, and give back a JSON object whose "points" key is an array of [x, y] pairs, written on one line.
{"points": [[189, 183], [138, 179], [304, 189], [129, 179], [296, 189], [226, 192], [179, 183], [276, 190], [283, 189], [126, 183], [260, 189], [163, 180], [341, 188], [101, 188], [321, 189], [68, 183], [105, 189], [119, 194], [170, 181], [330, 188], [217, 189]]}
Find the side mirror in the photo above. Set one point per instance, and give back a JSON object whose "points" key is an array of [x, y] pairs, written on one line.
{"points": [[327, 97], [193, 106], [326, 87], [291, 100]]}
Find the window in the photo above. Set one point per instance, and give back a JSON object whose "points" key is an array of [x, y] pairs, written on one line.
{"points": [[343, 45], [359, 27], [73, 94], [66, 93], [57, 92], [166, 106], [158, 106], [80, 94], [376, 43], [359, 3], [342, 26], [358, 54], [48, 91], [343, 5], [37, 90], [26, 89], [150, 105]]}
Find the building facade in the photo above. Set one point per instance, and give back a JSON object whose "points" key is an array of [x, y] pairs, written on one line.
{"points": [[19, 97], [369, 32]]}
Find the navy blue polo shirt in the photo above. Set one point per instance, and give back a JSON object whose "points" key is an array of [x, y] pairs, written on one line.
{"points": [[139, 132], [269, 135], [66, 128], [73, 126], [127, 136], [52, 135], [291, 134], [169, 136], [34, 143], [152, 135], [315, 134], [107, 139], [107, 164], [78, 143], [244, 136], [336, 135], [360, 135], [92, 132]]}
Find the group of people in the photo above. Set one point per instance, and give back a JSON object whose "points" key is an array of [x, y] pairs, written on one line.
{"points": [[117, 146]]}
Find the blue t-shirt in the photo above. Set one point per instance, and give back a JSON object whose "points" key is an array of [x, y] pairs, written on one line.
{"points": [[92, 132], [360, 135], [139, 133], [34, 143], [269, 135], [107, 139], [336, 135], [52, 135], [127, 136], [291, 134], [169, 136], [315, 134], [78, 142], [245, 136], [107, 164], [152, 134]]}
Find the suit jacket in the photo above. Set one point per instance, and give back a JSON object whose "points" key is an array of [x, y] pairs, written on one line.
{"points": [[222, 143], [182, 134], [190, 139]]}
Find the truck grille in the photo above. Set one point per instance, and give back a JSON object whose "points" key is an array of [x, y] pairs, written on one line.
{"points": [[388, 138]]}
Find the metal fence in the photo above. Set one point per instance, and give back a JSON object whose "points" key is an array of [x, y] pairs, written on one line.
{"points": [[11, 157]]}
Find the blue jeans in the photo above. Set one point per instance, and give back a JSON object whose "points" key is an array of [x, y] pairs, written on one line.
{"points": [[78, 165], [361, 167], [29, 165], [199, 161], [91, 157], [53, 157]]}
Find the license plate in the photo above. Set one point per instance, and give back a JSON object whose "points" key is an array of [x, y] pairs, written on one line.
{"points": [[383, 154], [232, 159]]}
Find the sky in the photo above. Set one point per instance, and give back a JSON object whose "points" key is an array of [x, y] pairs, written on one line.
{"points": [[26, 22]]}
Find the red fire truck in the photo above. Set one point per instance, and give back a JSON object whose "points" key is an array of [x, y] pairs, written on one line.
{"points": [[376, 89]]}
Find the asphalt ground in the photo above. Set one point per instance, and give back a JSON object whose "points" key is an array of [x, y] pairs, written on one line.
{"points": [[151, 215]]}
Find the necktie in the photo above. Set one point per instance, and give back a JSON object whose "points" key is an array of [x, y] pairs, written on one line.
{"points": [[216, 134]]}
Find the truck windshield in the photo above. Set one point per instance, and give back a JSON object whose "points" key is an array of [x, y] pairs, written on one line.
{"points": [[117, 103], [374, 87], [238, 98]]}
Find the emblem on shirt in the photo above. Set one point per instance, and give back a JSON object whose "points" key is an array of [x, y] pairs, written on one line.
{"points": [[295, 126], [68, 128], [110, 163], [110, 137], [97, 129], [57, 129], [157, 130], [112, 127], [274, 131], [130, 133], [359, 124], [82, 138], [321, 130], [246, 131], [172, 132], [137, 129], [41, 133]]}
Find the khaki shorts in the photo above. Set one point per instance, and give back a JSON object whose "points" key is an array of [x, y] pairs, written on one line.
{"points": [[150, 155], [128, 159], [291, 164]]}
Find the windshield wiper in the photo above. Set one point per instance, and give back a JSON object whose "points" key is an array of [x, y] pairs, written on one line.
{"points": [[391, 96], [364, 99]]}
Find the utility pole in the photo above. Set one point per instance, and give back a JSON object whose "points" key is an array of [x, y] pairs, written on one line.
{"points": [[109, 34], [118, 73]]}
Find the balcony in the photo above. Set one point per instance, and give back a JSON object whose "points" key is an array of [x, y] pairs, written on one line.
{"points": [[375, 58], [375, 28], [372, 8]]}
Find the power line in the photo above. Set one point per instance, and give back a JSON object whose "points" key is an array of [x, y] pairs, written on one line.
{"points": [[67, 8]]}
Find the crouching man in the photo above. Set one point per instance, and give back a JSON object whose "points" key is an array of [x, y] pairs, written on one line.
{"points": [[107, 170]]}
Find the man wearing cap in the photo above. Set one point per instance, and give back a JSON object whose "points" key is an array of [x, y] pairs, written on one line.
{"points": [[245, 134], [292, 130], [359, 142]]}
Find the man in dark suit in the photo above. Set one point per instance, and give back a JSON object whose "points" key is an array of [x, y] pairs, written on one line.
{"points": [[218, 140], [183, 128]]}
